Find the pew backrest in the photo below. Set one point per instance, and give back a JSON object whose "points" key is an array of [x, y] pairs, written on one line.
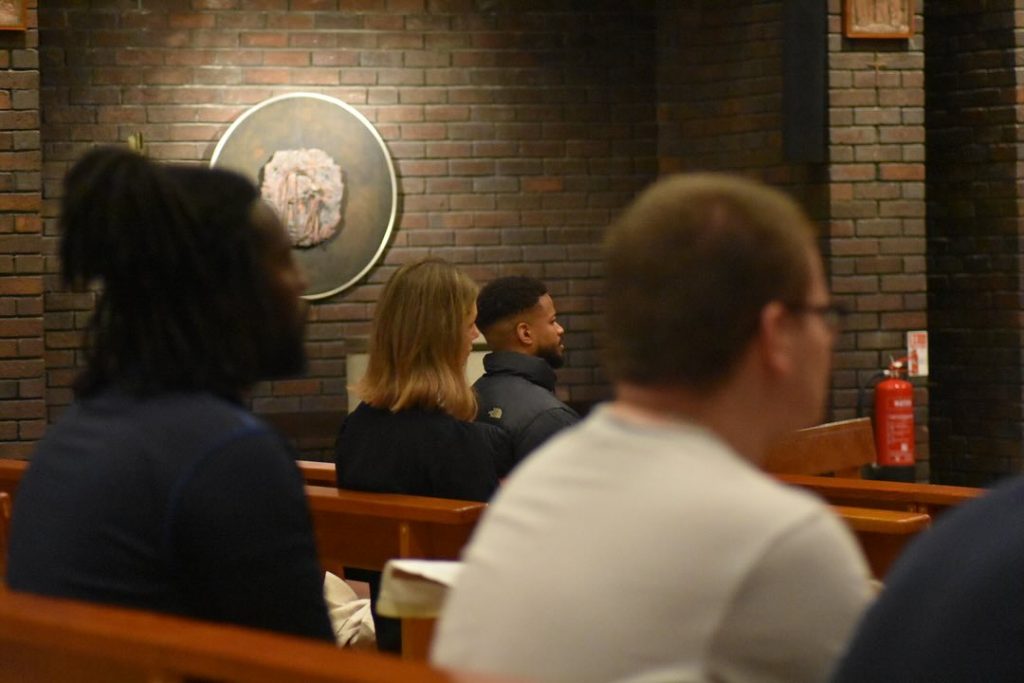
{"points": [[364, 530], [436, 528], [318, 473], [842, 448], [50, 639]]}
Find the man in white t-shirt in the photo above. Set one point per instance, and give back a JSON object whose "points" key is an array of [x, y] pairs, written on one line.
{"points": [[644, 544]]}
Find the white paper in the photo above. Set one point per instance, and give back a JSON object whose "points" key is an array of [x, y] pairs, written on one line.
{"points": [[416, 588]]}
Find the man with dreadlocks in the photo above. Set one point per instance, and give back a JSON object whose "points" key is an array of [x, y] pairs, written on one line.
{"points": [[157, 489]]}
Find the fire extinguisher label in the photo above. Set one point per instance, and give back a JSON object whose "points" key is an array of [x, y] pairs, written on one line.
{"points": [[899, 443], [917, 353]]}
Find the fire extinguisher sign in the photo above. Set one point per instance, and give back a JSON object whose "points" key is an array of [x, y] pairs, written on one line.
{"points": [[917, 353]]}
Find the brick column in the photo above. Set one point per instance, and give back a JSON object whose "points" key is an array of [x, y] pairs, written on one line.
{"points": [[22, 410], [876, 235], [974, 239]]}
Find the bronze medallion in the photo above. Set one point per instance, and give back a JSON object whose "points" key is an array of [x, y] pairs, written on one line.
{"points": [[326, 171]]}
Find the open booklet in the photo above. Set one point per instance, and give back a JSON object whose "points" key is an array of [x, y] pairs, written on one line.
{"points": [[416, 588]]}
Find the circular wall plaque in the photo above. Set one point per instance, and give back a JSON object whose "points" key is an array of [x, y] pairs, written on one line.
{"points": [[292, 146]]}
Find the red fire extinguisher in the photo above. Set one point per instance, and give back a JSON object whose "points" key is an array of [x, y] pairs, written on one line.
{"points": [[894, 418]]}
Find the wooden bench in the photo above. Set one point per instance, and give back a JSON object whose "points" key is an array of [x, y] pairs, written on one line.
{"points": [[844, 449], [364, 530], [10, 474], [932, 499], [318, 473], [425, 520], [5, 531], [840, 448], [882, 534], [46, 639]]}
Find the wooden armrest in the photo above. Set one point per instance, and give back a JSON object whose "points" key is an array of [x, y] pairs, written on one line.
{"points": [[317, 473], [873, 520]]}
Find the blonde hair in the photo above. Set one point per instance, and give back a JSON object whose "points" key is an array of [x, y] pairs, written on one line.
{"points": [[416, 347]]}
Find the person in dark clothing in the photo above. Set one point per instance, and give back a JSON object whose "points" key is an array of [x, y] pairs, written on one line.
{"points": [[412, 433], [952, 609], [517, 317], [157, 489]]}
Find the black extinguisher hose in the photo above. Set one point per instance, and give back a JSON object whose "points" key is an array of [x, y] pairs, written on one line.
{"points": [[872, 381]]}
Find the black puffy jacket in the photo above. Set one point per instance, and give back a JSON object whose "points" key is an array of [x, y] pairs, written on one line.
{"points": [[517, 394]]}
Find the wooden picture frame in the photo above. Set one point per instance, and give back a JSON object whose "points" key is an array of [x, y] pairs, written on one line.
{"points": [[878, 19]]}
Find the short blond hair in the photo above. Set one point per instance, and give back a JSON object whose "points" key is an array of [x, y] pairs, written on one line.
{"points": [[416, 347]]}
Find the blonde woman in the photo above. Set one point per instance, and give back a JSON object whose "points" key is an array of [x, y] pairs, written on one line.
{"points": [[413, 431]]}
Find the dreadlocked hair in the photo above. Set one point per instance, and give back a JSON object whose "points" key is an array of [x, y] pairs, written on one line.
{"points": [[177, 262]]}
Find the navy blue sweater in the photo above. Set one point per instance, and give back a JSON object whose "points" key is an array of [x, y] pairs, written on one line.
{"points": [[180, 503]]}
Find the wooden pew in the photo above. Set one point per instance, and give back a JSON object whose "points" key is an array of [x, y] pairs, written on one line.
{"points": [[932, 499], [844, 448], [882, 534], [318, 473], [364, 530], [840, 448], [10, 474], [5, 531], [46, 639]]}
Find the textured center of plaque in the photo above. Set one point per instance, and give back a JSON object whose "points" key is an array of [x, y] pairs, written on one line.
{"points": [[306, 188]]}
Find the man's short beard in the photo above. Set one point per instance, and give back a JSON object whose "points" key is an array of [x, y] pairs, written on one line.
{"points": [[552, 355], [286, 358], [284, 343]]}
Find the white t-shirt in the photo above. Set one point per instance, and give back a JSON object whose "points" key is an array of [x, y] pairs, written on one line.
{"points": [[652, 553]]}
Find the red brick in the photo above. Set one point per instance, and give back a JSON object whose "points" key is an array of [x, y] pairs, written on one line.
{"points": [[20, 202], [902, 172], [263, 40], [268, 76], [293, 58], [542, 184], [316, 5]]}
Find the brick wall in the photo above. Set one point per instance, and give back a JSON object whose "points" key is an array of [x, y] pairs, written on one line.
{"points": [[720, 107], [720, 83], [876, 233], [720, 96], [974, 239], [22, 410], [517, 130]]}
